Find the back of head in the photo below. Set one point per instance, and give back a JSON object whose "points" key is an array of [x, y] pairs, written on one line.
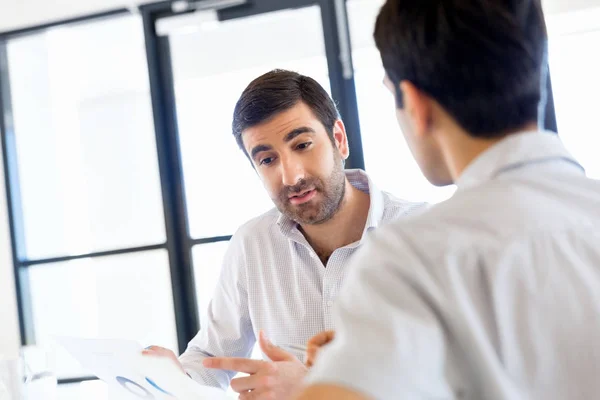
{"points": [[481, 60]]}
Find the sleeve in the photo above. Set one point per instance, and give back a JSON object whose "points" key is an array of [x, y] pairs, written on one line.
{"points": [[228, 329], [389, 341]]}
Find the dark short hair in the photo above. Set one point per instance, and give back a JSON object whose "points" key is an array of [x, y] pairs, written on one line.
{"points": [[481, 60], [278, 91]]}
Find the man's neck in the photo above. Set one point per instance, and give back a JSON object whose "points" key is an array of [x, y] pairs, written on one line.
{"points": [[346, 226]]}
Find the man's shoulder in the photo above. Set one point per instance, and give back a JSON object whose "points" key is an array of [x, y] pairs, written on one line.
{"points": [[432, 230], [482, 221], [395, 208], [251, 237], [456, 217], [418, 243], [487, 216], [262, 224]]}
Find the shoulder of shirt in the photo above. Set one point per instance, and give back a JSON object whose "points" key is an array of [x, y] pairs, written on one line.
{"points": [[427, 234], [449, 224], [395, 208], [257, 226], [482, 222], [485, 217]]}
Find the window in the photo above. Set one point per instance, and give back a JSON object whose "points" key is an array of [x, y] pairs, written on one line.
{"points": [[85, 140], [222, 189], [122, 296], [574, 66], [87, 200]]}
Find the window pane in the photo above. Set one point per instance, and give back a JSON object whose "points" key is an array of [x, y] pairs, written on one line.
{"points": [[388, 159], [85, 139], [126, 296], [208, 259], [223, 191], [575, 72]]}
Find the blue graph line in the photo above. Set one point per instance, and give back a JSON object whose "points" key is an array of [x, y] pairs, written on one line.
{"points": [[150, 381], [127, 382]]}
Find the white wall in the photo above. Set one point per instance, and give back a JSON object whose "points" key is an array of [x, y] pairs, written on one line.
{"points": [[15, 14], [9, 324]]}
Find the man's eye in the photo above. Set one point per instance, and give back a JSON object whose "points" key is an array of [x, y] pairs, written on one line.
{"points": [[303, 146], [266, 161]]}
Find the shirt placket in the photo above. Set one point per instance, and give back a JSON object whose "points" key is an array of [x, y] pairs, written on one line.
{"points": [[330, 284]]}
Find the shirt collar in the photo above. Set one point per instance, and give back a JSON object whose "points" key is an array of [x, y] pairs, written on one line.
{"points": [[361, 181], [512, 152]]}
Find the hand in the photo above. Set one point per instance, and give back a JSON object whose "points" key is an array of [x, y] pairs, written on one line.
{"points": [[315, 344], [268, 380], [156, 351]]}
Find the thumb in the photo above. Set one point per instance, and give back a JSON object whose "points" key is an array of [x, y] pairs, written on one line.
{"points": [[273, 352]]}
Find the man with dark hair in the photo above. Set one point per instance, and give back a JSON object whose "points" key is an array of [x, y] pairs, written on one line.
{"points": [[283, 269], [495, 293]]}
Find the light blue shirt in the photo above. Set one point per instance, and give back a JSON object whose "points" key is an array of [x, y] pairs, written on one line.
{"points": [[273, 280], [493, 294]]}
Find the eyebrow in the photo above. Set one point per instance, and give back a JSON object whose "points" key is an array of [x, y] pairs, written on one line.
{"points": [[297, 132], [259, 149], [288, 138]]}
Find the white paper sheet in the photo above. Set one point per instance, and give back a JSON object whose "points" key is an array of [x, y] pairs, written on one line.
{"points": [[120, 364]]}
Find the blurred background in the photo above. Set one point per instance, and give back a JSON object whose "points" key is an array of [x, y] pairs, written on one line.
{"points": [[120, 179]]}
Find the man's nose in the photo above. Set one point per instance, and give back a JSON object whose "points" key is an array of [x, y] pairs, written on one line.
{"points": [[292, 172]]}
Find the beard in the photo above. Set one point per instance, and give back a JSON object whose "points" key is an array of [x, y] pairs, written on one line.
{"points": [[331, 188]]}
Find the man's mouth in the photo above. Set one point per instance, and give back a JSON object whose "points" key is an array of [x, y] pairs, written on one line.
{"points": [[302, 197]]}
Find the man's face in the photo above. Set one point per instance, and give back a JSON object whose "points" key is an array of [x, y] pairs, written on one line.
{"points": [[298, 164]]}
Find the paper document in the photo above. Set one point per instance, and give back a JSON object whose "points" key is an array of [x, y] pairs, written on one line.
{"points": [[120, 364]]}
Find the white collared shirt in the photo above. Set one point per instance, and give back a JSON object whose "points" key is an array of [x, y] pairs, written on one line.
{"points": [[493, 294], [273, 280]]}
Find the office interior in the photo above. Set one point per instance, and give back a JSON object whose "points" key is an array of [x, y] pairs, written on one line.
{"points": [[120, 178]]}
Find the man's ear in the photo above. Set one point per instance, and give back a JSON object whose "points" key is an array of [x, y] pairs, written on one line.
{"points": [[341, 139], [418, 107]]}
